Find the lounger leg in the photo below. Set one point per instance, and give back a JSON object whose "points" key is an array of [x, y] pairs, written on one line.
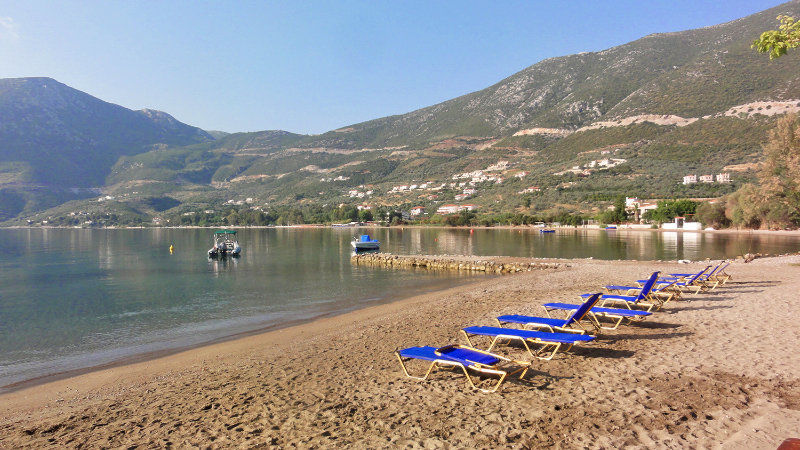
{"points": [[502, 374], [405, 370], [494, 341], [550, 356], [466, 336], [616, 324]]}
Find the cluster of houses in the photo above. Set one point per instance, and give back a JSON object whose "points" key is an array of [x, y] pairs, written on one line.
{"points": [[339, 178], [206, 211], [412, 187], [720, 178], [420, 210], [591, 166], [248, 200], [356, 193], [454, 209], [638, 207]]}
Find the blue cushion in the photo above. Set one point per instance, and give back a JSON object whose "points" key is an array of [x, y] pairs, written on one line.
{"points": [[564, 338], [598, 310], [466, 356], [516, 318]]}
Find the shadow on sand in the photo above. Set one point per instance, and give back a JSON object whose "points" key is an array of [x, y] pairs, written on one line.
{"points": [[697, 308], [631, 336]]}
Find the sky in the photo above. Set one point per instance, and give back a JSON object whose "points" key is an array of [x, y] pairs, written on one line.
{"points": [[314, 66]]}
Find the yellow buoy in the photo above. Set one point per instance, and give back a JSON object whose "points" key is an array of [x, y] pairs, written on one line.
{"points": [[170, 249]]}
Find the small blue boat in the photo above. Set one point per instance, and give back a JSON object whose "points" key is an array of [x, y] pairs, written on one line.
{"points": [[547, 231], [611, 227], [364, 243]]}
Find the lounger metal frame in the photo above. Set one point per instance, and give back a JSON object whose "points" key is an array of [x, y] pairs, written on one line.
{"points": [[594, 318], [506, 339], [555, 329], [477, 367]]}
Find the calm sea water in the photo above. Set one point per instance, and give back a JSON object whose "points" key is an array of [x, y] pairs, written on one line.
{"points": [[71, 299]]}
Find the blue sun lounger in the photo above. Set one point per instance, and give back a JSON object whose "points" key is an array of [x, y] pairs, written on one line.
{"points": [[721, 275], [615, 315], [694, 283], [555, 325], [687, 275], [665, 288], [465, 358], [546, 340], [644, 298], [705, 281]]}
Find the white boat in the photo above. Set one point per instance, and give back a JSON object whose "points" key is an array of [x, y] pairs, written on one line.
{"points": [[225, 244], [364, 243]]}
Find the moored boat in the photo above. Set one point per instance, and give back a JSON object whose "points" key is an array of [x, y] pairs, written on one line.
{"points": [[364, 243], [225, 244]]}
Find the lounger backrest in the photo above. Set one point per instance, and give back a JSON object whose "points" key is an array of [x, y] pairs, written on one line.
{"points": [[722, 269], [581, 312], [466, 356], [648, 286], [697, 275], [715, 270]]}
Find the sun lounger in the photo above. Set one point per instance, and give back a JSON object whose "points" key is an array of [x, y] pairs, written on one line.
{"points": [[616, 315], [687, 275], [549, 343], [465, 358], [666, 288], [721, 275], [706, 281], [663, 291], [644, 298], [555, 325]]}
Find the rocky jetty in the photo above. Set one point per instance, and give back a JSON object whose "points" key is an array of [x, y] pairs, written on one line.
{"points": [[498, 265]]}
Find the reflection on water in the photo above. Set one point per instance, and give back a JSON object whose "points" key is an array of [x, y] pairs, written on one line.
{"points": [[580, 243], [73, 298]]}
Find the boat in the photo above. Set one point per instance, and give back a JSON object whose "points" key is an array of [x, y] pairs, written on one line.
{"points": [[547, 231], [225, 244], [611, 227], [364, 243]]}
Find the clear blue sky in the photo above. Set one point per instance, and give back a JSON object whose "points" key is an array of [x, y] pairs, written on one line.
{"points": [[310, 67]]}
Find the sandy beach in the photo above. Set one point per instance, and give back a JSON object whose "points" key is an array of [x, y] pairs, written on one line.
{"points": [[717, 370]]}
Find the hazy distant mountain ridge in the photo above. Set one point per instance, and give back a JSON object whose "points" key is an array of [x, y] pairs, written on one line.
{"points": [[65, 137]]}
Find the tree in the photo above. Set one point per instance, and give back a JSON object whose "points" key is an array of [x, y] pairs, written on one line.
{"points": [[669, 210], [365, 215], [780, 175], [617, 215], [712, 214], [777, 42]]}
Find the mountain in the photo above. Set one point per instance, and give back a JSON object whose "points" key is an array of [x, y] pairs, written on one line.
{"points": [[694, 73], [54, 135], [630, 120]]}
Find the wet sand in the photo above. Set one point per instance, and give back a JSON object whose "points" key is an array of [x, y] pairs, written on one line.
{"points": [[718, 370]]}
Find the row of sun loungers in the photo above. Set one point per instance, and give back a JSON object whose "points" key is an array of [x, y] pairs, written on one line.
{"points": [[544, 337]]}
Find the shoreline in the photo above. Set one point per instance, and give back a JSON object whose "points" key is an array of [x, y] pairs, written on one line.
{"points": [[735, 231], [144, 357], [49, 385], [335, 382]]}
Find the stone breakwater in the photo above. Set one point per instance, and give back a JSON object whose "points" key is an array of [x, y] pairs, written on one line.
{"points": [[498, 265]]}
